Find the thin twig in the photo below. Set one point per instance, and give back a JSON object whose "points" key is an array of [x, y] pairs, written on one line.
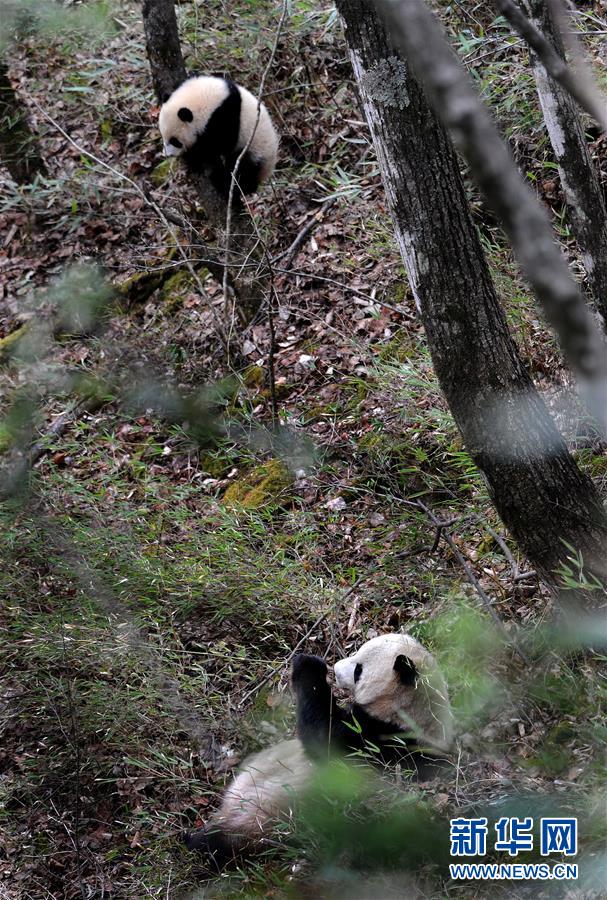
{"points": [[56, 428], [309, 226], [439, 533], [443, 526], [346, 287], [272, 297], [333, 608], [505, 550], [153, 205], [468, 15], [245, 149], [73, 740], [272, 350], [469, 573], [517, 575]]}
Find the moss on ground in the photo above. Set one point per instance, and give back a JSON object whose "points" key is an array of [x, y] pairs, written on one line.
{"points": [[265, 485], [10, 343], [164, 171]]}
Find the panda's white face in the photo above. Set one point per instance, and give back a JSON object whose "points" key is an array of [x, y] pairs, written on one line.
{"points": [[397, 680], [186, 112], [372, 672], [177, 135]]}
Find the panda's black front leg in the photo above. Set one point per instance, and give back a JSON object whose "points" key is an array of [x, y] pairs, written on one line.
{"points": [[217, 846], [221, 178], [321, 723]]}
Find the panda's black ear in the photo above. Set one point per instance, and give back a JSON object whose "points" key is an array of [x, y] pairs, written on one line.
{"points": [[185, 114], [165, 97], [405, 670]]}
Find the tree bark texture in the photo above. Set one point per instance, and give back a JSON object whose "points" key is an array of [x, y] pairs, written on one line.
{"points": [[163, 47], [451, 92], [18, 146], [168, 72], [578, 174], [538, 490]]}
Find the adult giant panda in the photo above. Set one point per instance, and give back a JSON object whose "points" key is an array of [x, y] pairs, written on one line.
{"points": [[208, 121], [400, 706]]}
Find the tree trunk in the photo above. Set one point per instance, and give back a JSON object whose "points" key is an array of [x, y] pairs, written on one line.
{"points": [[579, 178], [538, 490], [168, 72], [163, 47], [18, 146]]}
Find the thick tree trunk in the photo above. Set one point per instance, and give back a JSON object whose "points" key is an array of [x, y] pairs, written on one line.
{"points": [[168, 72], [18, 146], [579, 178], [539, 492]]}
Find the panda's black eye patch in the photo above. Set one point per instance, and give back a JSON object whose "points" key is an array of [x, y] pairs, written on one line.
{"points": [[185, 114], [358, 670], [175, 142]]}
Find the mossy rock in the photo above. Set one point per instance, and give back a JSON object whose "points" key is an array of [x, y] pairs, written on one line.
{"points": [[253, 377], [139, 287], [265, 485], [175, 288], [10, 343], [282, 391]]}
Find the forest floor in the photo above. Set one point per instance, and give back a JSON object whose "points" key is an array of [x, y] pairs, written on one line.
{"points": [[148, 616]]}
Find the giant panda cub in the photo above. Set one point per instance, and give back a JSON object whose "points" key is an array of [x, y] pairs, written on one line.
{"points": [[400, 705], [208, 121]]}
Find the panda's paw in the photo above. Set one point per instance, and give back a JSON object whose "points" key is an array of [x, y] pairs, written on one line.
{"points": [[212, 843], [308, 670]]}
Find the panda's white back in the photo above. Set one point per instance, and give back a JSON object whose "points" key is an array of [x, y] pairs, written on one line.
{"points": [[264, 146], [265, 789]]}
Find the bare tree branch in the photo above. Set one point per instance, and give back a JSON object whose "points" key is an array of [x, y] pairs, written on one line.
{"points": [[159, 212], [588, 96], [254, 230]]}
